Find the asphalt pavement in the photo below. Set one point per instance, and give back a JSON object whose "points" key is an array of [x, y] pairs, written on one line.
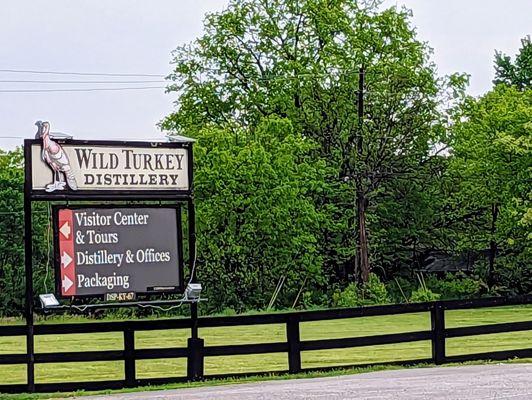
{"points": [[479, 382]]}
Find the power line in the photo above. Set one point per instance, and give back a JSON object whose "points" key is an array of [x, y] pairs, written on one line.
{"points": [[146, 139], [79, 89], [63, 82], [21, 71]]}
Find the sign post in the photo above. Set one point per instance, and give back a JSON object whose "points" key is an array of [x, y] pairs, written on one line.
{"points": [[114, 251]]}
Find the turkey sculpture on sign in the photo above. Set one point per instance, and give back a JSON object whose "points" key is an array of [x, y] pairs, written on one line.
{"points": [[57, 159]]}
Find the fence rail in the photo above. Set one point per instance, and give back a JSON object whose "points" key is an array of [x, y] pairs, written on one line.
{"points": [[196, 351]]}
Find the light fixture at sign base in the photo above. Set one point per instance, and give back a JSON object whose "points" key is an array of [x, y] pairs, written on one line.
{"points": [[48, 300], [193, 291]]}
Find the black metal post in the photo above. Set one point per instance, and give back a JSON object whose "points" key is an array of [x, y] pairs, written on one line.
{"points": [[192, 239], [28, 267], [180, 256], [129, 357], [294, 344], [437, 321], [192, 263], [195, 360], [194, 318]]}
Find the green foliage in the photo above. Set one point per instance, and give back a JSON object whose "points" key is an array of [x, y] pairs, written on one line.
{"points": [[517, 73], [12, 282], [400, 289], [490, 171], [456, 287], [354, 295], [300, 60], [375, 291], [513, 275], [12, 223], [422, 295], [351, 296], [255, 215], [314, 300]]}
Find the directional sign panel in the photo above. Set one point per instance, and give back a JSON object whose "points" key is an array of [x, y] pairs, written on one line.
{"points": [[104, 250]]}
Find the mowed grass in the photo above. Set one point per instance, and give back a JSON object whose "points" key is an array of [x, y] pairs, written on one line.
{"points": [[355, 327]]}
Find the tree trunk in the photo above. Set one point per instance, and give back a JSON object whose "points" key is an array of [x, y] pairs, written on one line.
{"points": [[363, 258], [493, 245]]}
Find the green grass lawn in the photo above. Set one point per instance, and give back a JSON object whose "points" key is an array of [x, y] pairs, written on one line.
{"points": [[89, 371]]}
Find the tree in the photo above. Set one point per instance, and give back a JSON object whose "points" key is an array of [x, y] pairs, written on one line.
{"points": [[257, 224], [12, 221], [301, 60], [12, 278], [518, 72], [492, 159]]}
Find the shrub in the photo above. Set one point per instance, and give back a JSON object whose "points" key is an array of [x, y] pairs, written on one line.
{"points": [[349, 297], [373, 292], [313, 300], [422, 295], [456, 287], [400, 290]]}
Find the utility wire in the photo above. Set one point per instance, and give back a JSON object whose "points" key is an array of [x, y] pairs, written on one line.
{"points": [[79, 89], [134, 139], [21, 71], [63, 82], [161, 75]]}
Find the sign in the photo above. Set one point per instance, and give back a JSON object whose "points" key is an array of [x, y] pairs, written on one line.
{"points": [[130, 250], [68, 166]]}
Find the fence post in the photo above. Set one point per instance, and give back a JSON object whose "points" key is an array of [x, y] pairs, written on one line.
{"points": [[294, 348], [195, 359], [129, 357], [30, 352], [437, 322], [195, 348]]}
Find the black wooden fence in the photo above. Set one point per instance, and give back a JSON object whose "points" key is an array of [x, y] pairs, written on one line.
{"points": [[196, 351]]}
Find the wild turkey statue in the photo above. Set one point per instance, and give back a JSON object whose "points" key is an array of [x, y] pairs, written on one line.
{"points": [[56, 158]]}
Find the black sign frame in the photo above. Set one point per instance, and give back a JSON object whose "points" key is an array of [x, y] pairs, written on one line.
{"points": [[57, 254]]}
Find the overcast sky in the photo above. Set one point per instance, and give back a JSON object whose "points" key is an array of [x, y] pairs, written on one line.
{"points": [[137, 37]]}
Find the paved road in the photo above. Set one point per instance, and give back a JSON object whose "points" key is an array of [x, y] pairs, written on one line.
{"points": [[512, 381]]}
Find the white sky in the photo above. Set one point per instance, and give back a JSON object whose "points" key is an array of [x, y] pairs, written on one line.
{"points": [[133, 36]]}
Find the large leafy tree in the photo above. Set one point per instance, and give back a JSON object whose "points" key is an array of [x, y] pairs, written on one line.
{"points": [[257, 224], [12, 224], [517, 72], [12, 278], [302, 60], [491, 166]]}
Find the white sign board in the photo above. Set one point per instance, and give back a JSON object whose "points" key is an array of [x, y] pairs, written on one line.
{"points": [[67, 166]]}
